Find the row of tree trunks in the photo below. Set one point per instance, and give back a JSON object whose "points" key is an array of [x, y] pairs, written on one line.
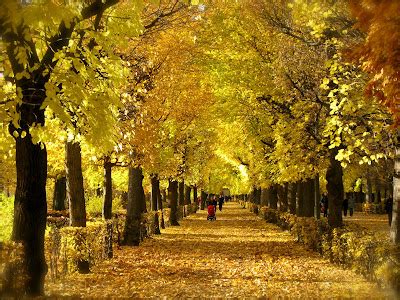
{"points": [[296, 198], [173, 200]]}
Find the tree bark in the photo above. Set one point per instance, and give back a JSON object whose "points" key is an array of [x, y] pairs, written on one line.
{"points": [[160, 205], [203, 196], [75, 193], [30, 206], [195, 194], [369, 196], [107, 202], [187, 194], [395, 227], [60, 193], [181, 193], [283, 197], [155, 192], [155, 196], [309, 198], [273, 197], [264, 197], [257, 196], [334, 186], [292, 192], [135, 207], [378, 198], [317, 198], [300, 199], [173, 200]]}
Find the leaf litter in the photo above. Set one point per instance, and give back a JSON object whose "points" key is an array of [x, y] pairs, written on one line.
{"points": [[239, 256]]}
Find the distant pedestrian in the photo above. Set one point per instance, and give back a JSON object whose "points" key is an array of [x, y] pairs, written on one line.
{"points": [[389, 209], [351, 205], [214, 202], [345, 206], [220, 201]]}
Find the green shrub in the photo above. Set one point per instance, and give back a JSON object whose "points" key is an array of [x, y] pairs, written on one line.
{"points": [[6, 217]]}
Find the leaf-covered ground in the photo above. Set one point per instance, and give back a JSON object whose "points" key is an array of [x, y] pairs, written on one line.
{"points": [[239, 255], [377, 223]]}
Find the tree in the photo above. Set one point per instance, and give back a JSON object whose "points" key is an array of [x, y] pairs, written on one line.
{"points": [[378, 55], [31, 64]]}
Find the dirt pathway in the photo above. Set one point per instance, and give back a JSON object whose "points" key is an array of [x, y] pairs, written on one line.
{"points": [[239, 255]]}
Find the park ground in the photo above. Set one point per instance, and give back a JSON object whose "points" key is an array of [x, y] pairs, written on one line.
{"points": [[238, 255]]}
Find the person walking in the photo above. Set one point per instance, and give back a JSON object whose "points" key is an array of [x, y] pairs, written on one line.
{"points": [[220, 201]]}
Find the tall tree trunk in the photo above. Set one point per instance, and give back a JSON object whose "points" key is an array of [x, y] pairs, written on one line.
{"points": [[257, 196], [160, 205], [135, 207], [30, 206], [75, 192], [155, 195], [283, 197], [395, 227], [317, 198], [173, 200], [181, 193], [107, 201], [155, 191], [300, 199], [164, 197], [369, 195], [107, 205], [195, 194], [334, 186], [309, 198], [292, 192], [273, 197], [264, 197], [203, 196], [60, 193], [188, 190], [378, 198]]}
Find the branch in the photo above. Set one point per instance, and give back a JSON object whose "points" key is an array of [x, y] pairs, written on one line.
{"points": [[174, 9], [61, 39]]}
